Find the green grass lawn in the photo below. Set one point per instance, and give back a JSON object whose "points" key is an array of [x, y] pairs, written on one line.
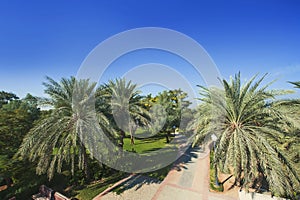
{"points": [[144, 145]]}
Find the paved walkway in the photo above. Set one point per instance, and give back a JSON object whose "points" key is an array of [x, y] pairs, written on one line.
{"points": [[188, 180], [137, 188]]}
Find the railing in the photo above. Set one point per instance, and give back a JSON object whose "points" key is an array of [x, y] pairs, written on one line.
{"points": [[47, 193]]}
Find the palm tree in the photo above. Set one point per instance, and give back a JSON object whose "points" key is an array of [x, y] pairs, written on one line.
{"points": [[249, 129], [291, 141], [61, 137], [127, 108], [296, 84], [291, 110]]}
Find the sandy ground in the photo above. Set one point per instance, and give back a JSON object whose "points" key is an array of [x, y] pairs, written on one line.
{"points": [[141, 187]]}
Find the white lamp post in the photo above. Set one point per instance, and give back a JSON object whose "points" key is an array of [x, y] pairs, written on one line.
{"points": [[214, 139]]}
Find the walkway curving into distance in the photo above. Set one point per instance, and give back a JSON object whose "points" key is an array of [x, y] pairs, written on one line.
{"points": [[189, 179]]}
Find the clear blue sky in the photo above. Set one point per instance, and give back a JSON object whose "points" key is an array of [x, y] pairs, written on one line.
{"points": [[39, 38]]}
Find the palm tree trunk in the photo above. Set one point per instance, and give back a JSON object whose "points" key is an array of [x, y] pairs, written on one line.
{"points": [[85, 165], [167, 137], [8, 181], [132, 131], [122, 135], [216, 175], [131, 137]]}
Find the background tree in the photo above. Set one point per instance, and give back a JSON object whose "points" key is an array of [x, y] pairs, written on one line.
{"points": [[5, 97], [172, 110], [16, 118]]}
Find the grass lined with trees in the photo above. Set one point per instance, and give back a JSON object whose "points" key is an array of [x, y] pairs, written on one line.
{"points": [[258, 135], [145, 145]]}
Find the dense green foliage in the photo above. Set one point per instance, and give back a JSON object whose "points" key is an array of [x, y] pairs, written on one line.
{"points": [[6, 97], [169, 112], [17, 117]]}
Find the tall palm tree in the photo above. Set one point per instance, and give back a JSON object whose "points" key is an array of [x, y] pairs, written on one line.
{"points": [[291, 110], [291, 142], [127, 108], [249, 131], [60, 137]]}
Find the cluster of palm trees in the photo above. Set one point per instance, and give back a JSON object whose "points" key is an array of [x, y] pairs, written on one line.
{"points": [[255, 130], [252, 128], [61, 136]]}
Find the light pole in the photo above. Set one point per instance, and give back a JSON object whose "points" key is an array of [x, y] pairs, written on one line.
{"points": [[214, 139]]}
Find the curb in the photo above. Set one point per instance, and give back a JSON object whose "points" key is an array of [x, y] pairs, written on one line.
{"points": [[98, 197]]}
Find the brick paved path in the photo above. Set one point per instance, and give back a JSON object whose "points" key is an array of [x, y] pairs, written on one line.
{"points": [[189, 180]]}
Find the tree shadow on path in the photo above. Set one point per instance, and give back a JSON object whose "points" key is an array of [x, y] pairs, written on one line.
{"points": [[136, 182]]}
